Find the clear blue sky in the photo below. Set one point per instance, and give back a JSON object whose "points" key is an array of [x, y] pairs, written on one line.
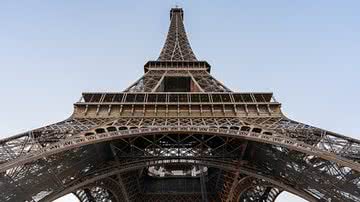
{"points": [[306, 52]]}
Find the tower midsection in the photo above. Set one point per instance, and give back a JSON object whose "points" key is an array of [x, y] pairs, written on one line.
{"points": [[176, 104]]}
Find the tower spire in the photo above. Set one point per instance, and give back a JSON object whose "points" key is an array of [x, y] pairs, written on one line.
{"points": [[177, 46]]}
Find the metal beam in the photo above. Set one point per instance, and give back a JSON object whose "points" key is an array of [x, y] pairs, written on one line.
{"points": [[204, 194], [123, 189]]}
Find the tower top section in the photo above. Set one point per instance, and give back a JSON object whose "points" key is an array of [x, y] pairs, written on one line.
{"points": [[175, 10], [177, 46]]}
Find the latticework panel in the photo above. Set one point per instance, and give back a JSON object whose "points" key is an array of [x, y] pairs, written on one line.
{"points": [[35, 140], [102, 190], [209, 83], [177, 46]]}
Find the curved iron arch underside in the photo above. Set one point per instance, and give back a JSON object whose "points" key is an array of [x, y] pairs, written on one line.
{"points": [[247, 152]]}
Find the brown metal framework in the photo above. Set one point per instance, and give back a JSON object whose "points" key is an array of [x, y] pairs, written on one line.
{"points": [[203, 144]]}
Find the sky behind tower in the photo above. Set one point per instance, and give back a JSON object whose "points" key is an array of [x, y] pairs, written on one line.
{"points": [[306, 52]]}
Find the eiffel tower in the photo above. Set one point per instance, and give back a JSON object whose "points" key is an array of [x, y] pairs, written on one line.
{"points": [[178, 134]]}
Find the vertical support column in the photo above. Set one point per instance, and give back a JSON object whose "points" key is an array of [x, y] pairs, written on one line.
{"points": [[230, 196], [122, 187], [203, 185]]}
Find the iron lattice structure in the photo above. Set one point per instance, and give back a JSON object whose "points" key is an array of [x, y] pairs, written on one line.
{"points": [[178, 134]]}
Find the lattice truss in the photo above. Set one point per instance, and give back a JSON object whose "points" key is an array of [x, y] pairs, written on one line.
{"points": [[177, 46], [152, 80], [194, 157], [313, 164]]}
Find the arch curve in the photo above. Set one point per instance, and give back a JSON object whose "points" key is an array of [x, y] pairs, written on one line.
{"points": [[100, 135], [278, 144], [249, 181]]}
